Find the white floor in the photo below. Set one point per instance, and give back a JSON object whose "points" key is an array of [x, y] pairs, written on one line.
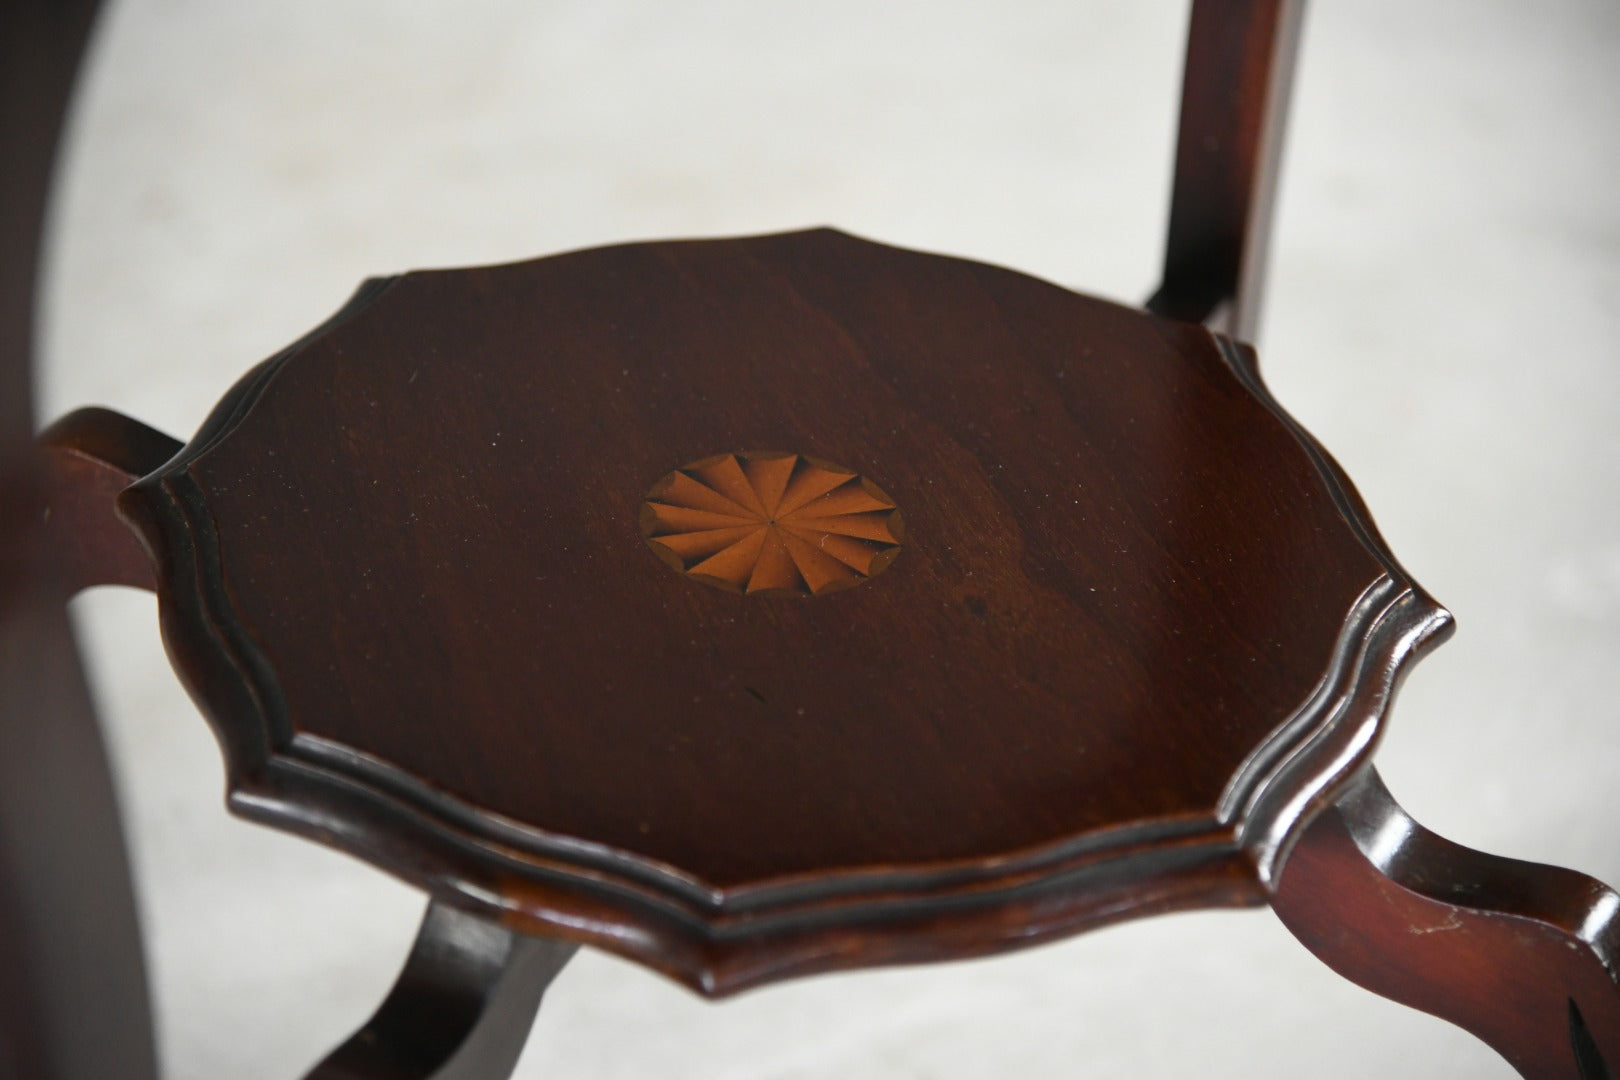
{"points": [[1444, 317]]}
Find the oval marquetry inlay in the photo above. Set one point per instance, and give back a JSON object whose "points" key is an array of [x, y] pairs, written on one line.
{"points": [[771, 523]]}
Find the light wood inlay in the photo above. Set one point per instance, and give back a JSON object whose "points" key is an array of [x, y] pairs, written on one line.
{"points": [[782, 524]]}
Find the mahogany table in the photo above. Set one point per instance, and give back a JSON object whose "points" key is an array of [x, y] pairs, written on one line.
{"points": [[765, 606], [753, 608]]}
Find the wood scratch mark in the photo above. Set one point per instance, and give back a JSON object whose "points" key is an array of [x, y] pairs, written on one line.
{"points": [[1451, 923]]}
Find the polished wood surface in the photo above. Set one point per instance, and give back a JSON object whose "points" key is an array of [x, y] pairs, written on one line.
{"points": [[73, 995], [1234, 106], [965, 753], [1522, 955], [1138, 623], [87, 458]]}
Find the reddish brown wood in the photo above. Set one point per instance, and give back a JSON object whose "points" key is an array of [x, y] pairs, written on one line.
{"points": [[1522, 955], [91, 455], [73, 998], [1137, 625], [1234, 105]]}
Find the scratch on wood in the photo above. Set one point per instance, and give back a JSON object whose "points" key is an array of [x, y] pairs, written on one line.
{"points": [[1451, 923]]}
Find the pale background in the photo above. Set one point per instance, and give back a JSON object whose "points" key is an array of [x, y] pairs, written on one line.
{"points": [[1444, 317]]}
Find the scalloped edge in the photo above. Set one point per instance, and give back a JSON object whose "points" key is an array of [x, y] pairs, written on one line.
{"points": [[720, 941]]}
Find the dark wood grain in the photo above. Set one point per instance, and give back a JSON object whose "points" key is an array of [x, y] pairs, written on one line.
{"points": [[73, 996], [89, 456], [460, 1010], [1234, 106], [1137, 626], [1522, 955], [1138, 629]]}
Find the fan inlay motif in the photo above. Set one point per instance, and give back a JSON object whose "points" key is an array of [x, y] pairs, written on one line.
{"points": [[771, 523]]}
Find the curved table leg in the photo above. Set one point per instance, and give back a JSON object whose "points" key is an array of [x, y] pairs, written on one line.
{"points": [[1521, 955], [88, 457], [460, 1010]]}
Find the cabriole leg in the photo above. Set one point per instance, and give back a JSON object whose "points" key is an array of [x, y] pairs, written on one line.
{"points": [[1519, 954], [461, 1008]]}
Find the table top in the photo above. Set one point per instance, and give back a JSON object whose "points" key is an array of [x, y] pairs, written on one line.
{"points": [[755, 607]]}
